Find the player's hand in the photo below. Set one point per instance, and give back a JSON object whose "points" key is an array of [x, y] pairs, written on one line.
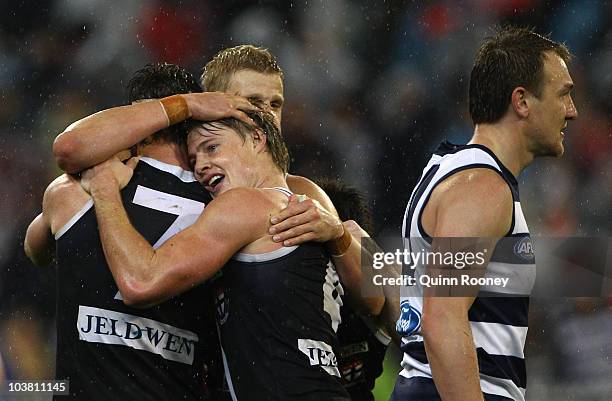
{"points": [[108, 174], [210, 106], [304, 221]]}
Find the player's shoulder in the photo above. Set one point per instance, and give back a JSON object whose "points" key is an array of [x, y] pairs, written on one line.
{"points": [[244, 199], [476, 183], [302, 185], [63, 188], [478, 200], [63, 198]]}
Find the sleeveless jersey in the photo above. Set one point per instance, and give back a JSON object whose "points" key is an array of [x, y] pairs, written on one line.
{"points": [[498, 316], [277, 315], [361, 352], [111, 351]]}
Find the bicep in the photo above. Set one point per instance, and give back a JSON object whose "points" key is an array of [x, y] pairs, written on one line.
{"points": [[198, 252], [472, 212]]}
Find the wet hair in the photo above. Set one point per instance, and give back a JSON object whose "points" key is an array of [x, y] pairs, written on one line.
{"points": [[219, 71], [265, 121], [349, 202], [159, 80], [510, 58]]}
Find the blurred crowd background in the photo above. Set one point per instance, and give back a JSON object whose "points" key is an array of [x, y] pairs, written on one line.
{"points": [[371, 87]]}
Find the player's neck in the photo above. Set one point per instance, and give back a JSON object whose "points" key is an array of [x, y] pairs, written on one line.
{"points": [[506, 142], [170, 153], [271, 177]]}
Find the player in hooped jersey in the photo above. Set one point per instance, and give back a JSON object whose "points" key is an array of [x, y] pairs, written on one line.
{"points": [[472, 348], [106, 349]]}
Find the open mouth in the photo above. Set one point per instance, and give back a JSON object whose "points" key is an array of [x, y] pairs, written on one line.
{"points": [[214, 182]]}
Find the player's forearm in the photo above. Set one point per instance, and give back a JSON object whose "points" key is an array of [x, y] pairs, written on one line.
{"points": [[98, 137], [128, 254], [391, 308], [39, 245], [391, 293], [352, 277], [452, 356]]}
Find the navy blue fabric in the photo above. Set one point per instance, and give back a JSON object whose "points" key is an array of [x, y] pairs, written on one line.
{"points": [[424, 389]]}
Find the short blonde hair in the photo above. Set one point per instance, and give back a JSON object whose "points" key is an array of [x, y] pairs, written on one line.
{"points": [[218, 72]]}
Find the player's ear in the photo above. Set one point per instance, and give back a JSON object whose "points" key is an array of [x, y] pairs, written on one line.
{"points": [[260, 139], [520, 101]]}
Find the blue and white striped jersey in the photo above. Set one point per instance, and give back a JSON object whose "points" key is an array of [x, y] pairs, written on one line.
{"points": [[498, 316]]}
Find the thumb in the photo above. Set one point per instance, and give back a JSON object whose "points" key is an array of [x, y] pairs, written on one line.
{"points": [[133, 162], [123, 155]]}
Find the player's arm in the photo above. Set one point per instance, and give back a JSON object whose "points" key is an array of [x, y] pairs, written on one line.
{"points": [[147, 276], [475, 203], [316, 219], [39, 244], [59, 200], [387, 318], [99, 136]]}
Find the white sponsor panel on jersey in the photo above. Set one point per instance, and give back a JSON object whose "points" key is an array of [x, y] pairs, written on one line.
{"points": [[104, 326], [320, 354]]}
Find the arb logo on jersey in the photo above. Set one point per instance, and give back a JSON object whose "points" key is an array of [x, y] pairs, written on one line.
{"points": [[409, 320]]}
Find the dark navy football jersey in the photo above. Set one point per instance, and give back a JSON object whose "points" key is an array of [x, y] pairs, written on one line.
{"points": [[277, 315], [110, 351], [361, 352]]}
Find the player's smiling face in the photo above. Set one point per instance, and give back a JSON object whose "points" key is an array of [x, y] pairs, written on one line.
{"points": [[552, 109], [220, 158], [264, 90]]}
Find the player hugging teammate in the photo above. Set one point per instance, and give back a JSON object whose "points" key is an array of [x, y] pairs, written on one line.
{"points": [[153, 239]]}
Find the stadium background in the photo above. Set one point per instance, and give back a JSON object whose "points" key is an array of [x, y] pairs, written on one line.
{"points": [[370, 88]]}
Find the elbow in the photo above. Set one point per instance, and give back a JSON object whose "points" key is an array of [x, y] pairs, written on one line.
{"points": [[151, 290], [138, 296], [136, 300], [64, 149]]}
